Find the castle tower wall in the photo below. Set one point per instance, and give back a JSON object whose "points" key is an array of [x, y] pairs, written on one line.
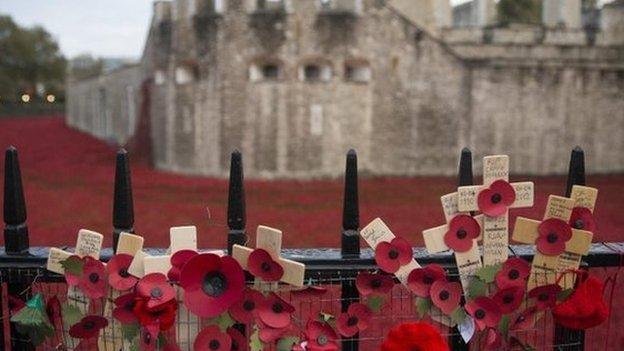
{"points": [[562, 13]]}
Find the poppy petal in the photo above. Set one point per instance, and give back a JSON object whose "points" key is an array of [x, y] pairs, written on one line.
{"points": [[368, 283], [275, 312], [262, 265], [446, 295], [212, 338], [582, 218]]}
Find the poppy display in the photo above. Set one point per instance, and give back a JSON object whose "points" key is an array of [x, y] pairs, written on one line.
{"points": [[178, 260], [484, 311], [245, 309], [239, 342], [212, 338], [275, 311], [373, 284], [446, 295], [263, 266], [156, 289], [420, 280], [462, 231], [545, 296], [93, 279], [124, 309], [354, 320], [148, 338], [211, 284], [509, 299], [310, 291], [88, 327], [414, 337], [162, 315], [269, 334], [514, 272], [118, 276], [390, 256], [320, 337], [553, 233], [525, 320], [582, 218], [496, 199]]}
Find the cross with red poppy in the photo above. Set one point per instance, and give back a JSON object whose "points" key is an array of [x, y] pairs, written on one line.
{"points": [[265, 263], [460, 233], [494, 199], [561, 238]]}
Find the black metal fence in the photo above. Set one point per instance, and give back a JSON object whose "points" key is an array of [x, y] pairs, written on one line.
{"points": [[21, 266]]}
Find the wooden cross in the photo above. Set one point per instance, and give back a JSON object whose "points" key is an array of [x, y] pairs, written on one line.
{"points": [[545, 268], [495, 229], [270, 240], [468, 262]]}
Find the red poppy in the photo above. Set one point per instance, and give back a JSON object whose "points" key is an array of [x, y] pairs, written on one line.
{"points": [[509, 299], [245, 310], [72, 279], [263, 266], [420, 279], [124, 309], [377, 284], [493, 339], [390, 256], [212, 338], [275, 312], [310, 291], [582, 218], [93, 279], [353, 321], [463, 229], [53, 309], [155, 288], [446, 295], [485, 312], [118, 276], [414, 336], [495, 200], [239, 342], [269, 335], [525, 320], [149, 337], [514, 272], [553, 234], [88, 327], [15, 304], [545, 296], [163, 315], [321, 337], [178, 260], [211, 284]]}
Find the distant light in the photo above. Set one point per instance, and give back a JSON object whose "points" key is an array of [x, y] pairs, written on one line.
{"points": [[26, 98], [51, 98]]}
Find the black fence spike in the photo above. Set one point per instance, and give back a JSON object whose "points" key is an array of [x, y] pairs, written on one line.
{"points": [[236, 214], [351, 211], [123, 204], [465, 168], [576, 172], [15, 230]]}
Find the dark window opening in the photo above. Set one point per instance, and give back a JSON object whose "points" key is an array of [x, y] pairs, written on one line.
{"points": [[270, 71], [312, 72]]}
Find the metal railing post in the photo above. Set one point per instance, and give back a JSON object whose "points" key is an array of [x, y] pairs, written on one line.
{"points": [[236, 215], [123, 205]]}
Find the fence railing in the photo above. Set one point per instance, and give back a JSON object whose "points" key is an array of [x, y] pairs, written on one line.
{"points": [[22, 265]]}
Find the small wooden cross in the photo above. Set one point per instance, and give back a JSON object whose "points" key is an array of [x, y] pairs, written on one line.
{"points": [[544, 269], [495, 229], [270, 239], [468, 262]]}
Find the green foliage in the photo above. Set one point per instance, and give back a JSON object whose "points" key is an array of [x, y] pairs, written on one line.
{"points": [[564, 294], [71, 314], [458, 315], [503, 325], [73, 266], [520, 11], [130, 331], [255, 344], [423, 305], [223, 321], [325, 317], [488, 273], [476, 288], [33, 321], [286, 344], [375, 303]]}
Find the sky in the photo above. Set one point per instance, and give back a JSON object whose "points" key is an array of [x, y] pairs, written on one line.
{"points": [[108, 28]]}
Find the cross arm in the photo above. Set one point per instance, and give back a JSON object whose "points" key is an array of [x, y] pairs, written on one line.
{"points": [[293, 271], [525, 230], [580, 242], [467, 196]]}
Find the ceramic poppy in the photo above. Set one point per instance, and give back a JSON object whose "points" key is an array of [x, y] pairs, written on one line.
{"points": [[420, 279], [525, 320], [93, 279], [275, 312], [552, 237], [390, 256], [263, 266], [484, 311], [582, 218], [495, 200], [514, 272], [124, 309], [118, 276], [320, 337], [462, 231], [239, 342], [212, 338], [355, 320], [155, 288], [149, 337], [88, 327], [414, 336], [446, 295], [211, 284], [178, 260], [545, 296], [245, 309], [509, 299], [373, 284], [162, 315], [70, 278], [310, 291]]}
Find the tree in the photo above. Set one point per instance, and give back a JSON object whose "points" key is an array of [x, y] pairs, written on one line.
{"points": [[30, 59], [520, 11]]}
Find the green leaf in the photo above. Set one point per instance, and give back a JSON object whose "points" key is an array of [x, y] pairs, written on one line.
{"points": [[33, 321], [375, 303], [286, 343], [71, 314], [503, 326], [458, 315], [224, 321], [477, 287], [488, 273], [130, 331], [564, 294], [423, 305], [73, 265], [325, 317], [255, 344]]}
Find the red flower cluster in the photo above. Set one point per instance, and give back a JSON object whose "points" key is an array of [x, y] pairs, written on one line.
{"points": [[353, 321], [515, 272], [414, 337], [321, 337], [485, 312], [88, 327], [420, 279]]}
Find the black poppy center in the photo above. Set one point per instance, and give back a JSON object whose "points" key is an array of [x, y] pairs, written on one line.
{"points": [[156, 293], [507, 299], [393, 254], [249, 305], [265, 266], [129, 305], [147, 338], [235, 345], [479, 314], [123, 272], [427, 279], [94, 278], [513, 274], [496, 198], [277, 307], [543, 297], [214, 344], [520, 319], [461, 233], [551, 238], [214, 284], [579, 224], [322, 340], [444, 295], [376, 283], [89, 325], [353, 320]]}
